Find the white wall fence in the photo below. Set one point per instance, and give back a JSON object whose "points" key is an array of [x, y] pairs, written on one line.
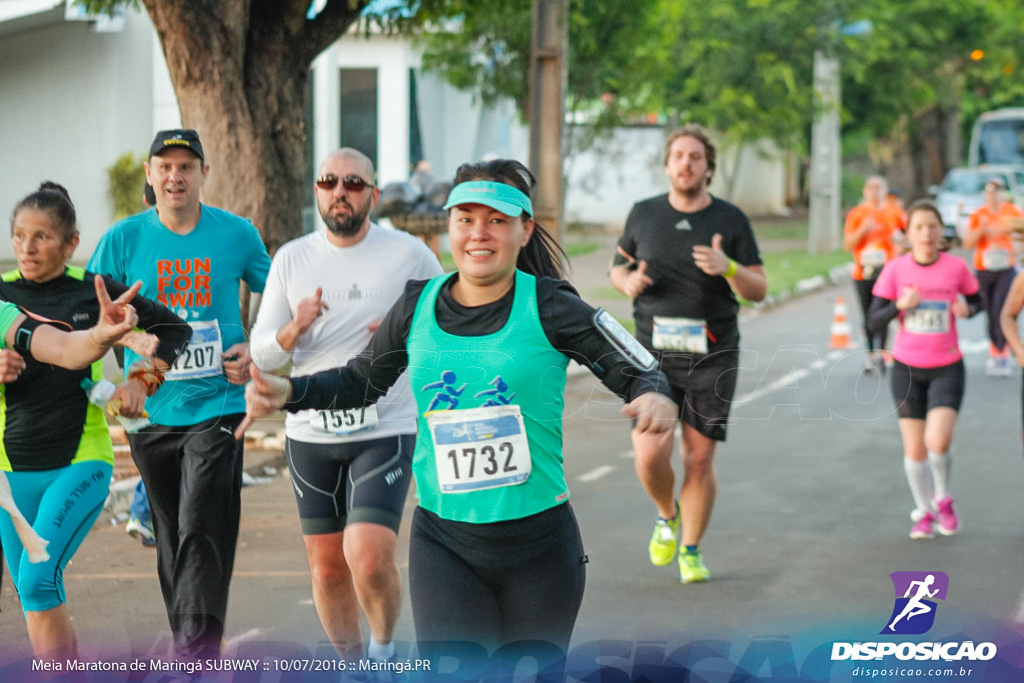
{"points": [[605, 180]]}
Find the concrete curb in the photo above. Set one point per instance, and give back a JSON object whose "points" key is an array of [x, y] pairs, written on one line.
{"points": [[838, 275]]}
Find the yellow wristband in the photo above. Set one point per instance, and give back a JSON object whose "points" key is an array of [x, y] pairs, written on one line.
{"points": [[732, 269]]}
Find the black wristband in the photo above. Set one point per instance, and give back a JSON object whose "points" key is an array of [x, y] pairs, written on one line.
{"points": [[300, 383], [23, 336]]}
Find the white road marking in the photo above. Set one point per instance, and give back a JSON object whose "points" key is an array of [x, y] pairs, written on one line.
{"points": [[251, 634], [596, 473], [967, 347], [1019, 617], [786, 380], [973, 347]]}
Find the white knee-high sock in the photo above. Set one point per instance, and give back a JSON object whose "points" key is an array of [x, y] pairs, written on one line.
{"points": [[940, 463], [919, 476]]}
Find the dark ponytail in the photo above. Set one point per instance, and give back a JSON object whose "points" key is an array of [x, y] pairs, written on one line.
{"points": [[54, 200], [542, 255]]}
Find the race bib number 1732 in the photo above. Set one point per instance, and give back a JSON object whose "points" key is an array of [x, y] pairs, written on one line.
{"points": [[479, 448]]}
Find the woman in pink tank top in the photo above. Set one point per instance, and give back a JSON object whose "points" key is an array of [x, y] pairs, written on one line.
{"points": [[926, 290]]}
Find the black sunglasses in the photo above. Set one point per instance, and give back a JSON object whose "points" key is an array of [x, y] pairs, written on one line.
{"points": [[352, 183]]}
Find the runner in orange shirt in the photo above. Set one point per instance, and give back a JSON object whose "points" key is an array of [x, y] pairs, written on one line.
{"points": [[873, 233], [989, 233]]}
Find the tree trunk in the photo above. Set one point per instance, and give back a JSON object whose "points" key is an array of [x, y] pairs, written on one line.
{"points": [[951, 138], [240, 69], [919, 159]]}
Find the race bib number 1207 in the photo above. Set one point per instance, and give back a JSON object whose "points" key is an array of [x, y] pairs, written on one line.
{"points": [[202, 356]]}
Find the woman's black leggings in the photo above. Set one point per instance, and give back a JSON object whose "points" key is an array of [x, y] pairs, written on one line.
{"points": [[495, 584], [994, 287]]}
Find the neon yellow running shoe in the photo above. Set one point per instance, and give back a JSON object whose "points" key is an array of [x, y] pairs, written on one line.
{"points": [[692, 568], [664, 541]]}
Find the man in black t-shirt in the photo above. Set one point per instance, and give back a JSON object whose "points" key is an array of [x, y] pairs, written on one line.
{"points": [[683, 258]]}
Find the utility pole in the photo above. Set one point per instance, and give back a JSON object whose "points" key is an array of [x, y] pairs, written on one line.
{"points": [[548, 77], [826, 158], [825, 208]]}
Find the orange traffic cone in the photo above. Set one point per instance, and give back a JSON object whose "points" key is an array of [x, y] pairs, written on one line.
{"points": [[840, 327]]}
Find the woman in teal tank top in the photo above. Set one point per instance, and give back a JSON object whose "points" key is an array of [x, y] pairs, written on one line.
{"points": [[495, 555]]}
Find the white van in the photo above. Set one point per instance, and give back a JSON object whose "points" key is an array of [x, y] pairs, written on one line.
{"points": [[998, 138]]}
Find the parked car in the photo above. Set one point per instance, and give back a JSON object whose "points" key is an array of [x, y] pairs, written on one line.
{"points": [[963, 190]]}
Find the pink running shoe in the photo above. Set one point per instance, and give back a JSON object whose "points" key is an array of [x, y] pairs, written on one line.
{"points": [[923, 528], [948, 522]]}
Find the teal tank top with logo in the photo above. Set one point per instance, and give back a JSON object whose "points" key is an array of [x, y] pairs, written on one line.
{"points": [[490, 374]]}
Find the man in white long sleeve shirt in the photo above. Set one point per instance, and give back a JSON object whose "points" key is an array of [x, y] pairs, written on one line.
{"points": [[325, 294]]}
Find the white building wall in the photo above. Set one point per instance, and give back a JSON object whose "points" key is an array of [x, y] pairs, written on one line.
{"points": [[73, 102], [457, 130], [392, 60], [760, 187], [454, 128], [607, 179], [166, 113]]}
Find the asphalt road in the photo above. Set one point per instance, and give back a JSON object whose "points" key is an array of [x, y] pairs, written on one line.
{"points": [[811, 518]]}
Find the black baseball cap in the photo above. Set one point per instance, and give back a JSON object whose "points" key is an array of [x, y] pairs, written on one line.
{"points": [[177, 137]]}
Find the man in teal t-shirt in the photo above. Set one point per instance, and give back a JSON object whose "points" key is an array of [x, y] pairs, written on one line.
{"points": [[191, 258]]}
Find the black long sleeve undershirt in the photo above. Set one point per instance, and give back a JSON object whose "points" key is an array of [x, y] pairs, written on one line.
{"points": [[566, 319]]}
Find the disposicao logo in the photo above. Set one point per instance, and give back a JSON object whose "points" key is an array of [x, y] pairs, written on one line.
{"points": [[914, 610], [913, 613]]}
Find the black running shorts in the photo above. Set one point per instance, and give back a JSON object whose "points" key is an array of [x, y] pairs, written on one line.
{"points": [[918, 390], [703, 387]]}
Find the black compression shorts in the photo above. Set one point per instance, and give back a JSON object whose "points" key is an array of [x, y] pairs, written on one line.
{"points": [[360, 481]]}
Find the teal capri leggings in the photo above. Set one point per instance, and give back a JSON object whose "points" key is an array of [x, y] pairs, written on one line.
{"points": [[61, 506]]}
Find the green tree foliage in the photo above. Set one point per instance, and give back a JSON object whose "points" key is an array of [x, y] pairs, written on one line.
{"points": [[994, 78], [729, 63], [484, 47], [924, 73], [127, 178], [744, 67], [913, 59], [741, 67]]}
